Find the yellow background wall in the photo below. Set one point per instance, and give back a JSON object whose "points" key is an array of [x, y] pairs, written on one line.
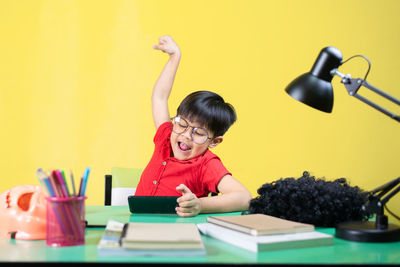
{"points": [[76, 79]]}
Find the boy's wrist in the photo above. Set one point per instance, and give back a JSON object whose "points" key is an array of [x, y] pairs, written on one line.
{"points": [[175, 55]]}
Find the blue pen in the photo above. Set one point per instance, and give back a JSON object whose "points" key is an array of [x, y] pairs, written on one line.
{"points": [[40, 174], [49, 187], [84, 182]]}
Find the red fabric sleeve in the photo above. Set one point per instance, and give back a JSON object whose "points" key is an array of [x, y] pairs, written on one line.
{"points": [[163, 131], [212, 172]]}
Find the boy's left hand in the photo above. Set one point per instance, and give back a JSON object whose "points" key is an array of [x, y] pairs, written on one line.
{"points": [[189, 204], [167, 45]]}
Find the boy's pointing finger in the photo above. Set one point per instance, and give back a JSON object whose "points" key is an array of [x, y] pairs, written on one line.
{"points": [[183, 188]]}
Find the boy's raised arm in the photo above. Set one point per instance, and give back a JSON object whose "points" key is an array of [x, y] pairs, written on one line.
{"points": [[163, 85]]}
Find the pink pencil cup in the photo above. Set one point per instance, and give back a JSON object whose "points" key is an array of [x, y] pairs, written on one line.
{"points": [[65, 221]]}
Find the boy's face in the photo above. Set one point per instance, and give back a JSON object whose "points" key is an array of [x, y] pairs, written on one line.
{"points": [[183, 146]]}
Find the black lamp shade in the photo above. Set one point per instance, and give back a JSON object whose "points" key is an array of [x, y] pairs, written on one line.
{"points": [[312, 91], [314, 88]]}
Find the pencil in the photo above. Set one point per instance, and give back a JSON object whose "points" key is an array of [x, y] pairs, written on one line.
{"points": [[72, 182]]}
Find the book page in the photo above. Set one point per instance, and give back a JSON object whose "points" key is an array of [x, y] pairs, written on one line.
{"points": [[162, 232]]}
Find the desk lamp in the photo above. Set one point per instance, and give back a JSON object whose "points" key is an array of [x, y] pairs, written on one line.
{"points": [[314, 88]]}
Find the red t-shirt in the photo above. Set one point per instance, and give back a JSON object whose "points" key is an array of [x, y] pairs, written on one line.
{"points": [[164, 173]]}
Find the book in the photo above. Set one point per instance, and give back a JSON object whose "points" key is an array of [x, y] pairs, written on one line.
{"points": [[109, 246], [260, 224], [161, 236], [266, 242]]}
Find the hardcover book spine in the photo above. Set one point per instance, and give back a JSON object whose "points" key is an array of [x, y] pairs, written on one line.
{"points": [[123, 234]]}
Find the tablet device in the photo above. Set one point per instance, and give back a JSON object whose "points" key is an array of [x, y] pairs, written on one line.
{"points": [[152, 204]]}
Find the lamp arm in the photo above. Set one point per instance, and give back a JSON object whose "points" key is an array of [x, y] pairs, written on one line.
{"points": [[390, 195], [376, 201], [353, 85], [386, 187], [378, 91]]}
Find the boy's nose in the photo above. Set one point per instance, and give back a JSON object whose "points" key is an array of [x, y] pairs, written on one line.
{"points": [[187, 134]]}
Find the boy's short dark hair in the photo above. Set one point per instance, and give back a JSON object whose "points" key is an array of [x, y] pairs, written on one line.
{"points": [[209, 109]]}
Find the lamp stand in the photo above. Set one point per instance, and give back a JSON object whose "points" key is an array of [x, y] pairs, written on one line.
{"points": [[380, 230], [369, 231]]}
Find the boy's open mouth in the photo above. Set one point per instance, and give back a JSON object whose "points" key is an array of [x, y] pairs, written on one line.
{"points": [[184, 147]]}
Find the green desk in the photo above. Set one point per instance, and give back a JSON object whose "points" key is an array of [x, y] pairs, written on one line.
{"points": [[342, 252]]}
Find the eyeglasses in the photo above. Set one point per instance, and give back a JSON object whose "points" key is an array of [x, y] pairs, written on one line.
{"points": [[199, 135]]}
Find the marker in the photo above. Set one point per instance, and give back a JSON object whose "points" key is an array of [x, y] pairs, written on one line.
{"points": [[65, 182], [60, 183], [71, 212], [54, 184]]}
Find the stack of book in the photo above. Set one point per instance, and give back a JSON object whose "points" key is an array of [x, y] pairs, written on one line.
{"points": [[151, 239], [259, 232]]}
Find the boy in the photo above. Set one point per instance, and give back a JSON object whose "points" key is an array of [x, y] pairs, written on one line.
{"points": [[182, 162]]}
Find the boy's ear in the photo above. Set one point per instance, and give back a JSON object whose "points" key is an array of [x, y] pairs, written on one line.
{"points": [[217, 140]]}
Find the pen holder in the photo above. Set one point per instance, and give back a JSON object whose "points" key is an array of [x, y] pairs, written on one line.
{"points": [[65, 221]]}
